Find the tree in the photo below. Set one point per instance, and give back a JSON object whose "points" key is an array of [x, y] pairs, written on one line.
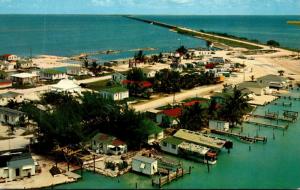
{"points": [[140, 56], [208, 44], [136, 74], [194, 117], [94, 64], [273, 43], [235, 106], [3, 75], [167, 81], [182, 50], [281, 72]]}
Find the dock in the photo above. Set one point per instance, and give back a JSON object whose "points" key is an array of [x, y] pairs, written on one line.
{"points": [[270, 117], [284, 104], [284, 127], [296, 98], [171, 176], [241, 137]]}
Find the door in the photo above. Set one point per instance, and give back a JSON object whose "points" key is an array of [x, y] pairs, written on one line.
{"points": [[17, 172]]}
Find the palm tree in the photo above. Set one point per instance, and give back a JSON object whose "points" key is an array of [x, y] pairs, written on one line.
{"points": [[194, 117]]}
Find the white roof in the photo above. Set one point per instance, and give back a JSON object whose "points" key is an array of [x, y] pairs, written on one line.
{"points": [[24, 75], [66, 85]]}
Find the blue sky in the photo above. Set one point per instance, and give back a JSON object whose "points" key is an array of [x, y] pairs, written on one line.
{"points": [[199, 7]]}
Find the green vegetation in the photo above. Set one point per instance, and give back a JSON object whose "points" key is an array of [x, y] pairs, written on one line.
{"points": [[115, 89], [167, 81], [136, 74], [98, 85], [273, 43], [194, 117], [294, 23], [140, 56], [52, 71], [3, 75]]}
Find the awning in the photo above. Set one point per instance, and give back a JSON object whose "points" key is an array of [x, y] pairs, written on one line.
{"points": [[27, 167]]}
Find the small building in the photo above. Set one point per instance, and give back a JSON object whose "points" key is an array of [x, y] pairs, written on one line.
{"points": [[216, 60], [13, 167], [219, 125], [10, 116], [25, 78], [9, 57], [118, 77], [149, 73], [273, 81], [66, 85], [52, 74], [171, 145], [106, 144], [115, 93], [258, 89], [7, 66], [170, 116], [77, 71], [153, 132], [5, 84], [144, 165], [24, 64], [10, 96]]}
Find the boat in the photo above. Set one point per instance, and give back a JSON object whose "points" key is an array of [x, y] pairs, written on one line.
{"points": [[246, 140]]}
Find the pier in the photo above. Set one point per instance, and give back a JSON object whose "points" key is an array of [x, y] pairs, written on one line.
{"points": [[284, 104], [272, 117], [284, 127], [171, 176], [241, 137]]}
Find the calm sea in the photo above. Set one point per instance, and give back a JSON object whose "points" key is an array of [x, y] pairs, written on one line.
{"points": [[68, 35]]}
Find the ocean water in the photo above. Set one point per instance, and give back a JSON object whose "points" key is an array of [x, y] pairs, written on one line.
{"points": [[68, 35], [274, 165]]}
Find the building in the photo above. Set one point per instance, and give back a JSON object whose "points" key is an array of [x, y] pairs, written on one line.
{"points": [[257, 88], [9, 57], [106, 144], [10, 96], [24, 64], [115, 93], [219, 125], [144, 165], [149, 73], [10, 116], [216, 60], [7, 66], [5, 84], [153, 132], [118, 77], [13, 167], [77, 71], [66, 85], [273, 81], [52, 74], [170, 116], [171, 145], [25, 78]]}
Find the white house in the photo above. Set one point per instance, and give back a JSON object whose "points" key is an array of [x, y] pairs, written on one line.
{"points": [[52, 74], [10, 116], [10, 96], [25, 78], [66, 85], [219, 125], [7, 66], [115, 93], [10, 57], [144, 165], [170, 145], [257, 88], [118, 77], [14, 167], [153, 132], [106, 144], [77, 71]]}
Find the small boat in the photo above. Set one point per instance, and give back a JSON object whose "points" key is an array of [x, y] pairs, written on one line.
{"points": [[247, 140]]}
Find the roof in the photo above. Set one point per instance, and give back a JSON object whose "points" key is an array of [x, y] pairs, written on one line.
{"points": [[10, 94], [251, 84], [175, 112], [173, 140], [5, 82], [52, 71], [66, 84], [20, 161], [24, 75], [115, 89], [272, 78], [191, 103], [152, 128], [11, 111], [108, 139], [144, 84], [6, 55], [200, 139], [54, 171], [144, 159]]}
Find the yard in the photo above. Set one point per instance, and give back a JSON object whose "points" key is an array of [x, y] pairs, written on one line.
{"points": [[99, 85]]}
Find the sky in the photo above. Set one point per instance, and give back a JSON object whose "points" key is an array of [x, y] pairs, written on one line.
{"points": [[173, 7]]}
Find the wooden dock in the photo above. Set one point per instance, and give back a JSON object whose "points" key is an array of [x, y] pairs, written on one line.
{"points": [[297, 98], [284, 127], [241, 137], [270, 117], [171, 176], [284, 104]]}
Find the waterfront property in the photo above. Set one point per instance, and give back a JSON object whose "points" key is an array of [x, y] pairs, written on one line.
{"points": [[66, 85], [52, 74], [18, 166], [9, 57], [118, 77], [5, 84], [170, 144], [25, 78], [257, 88], [144, 165], [153, 132], [76, 71], [115, 93], [170, 116], [273, 81], [6, 97], [219, 125], [105, 144], [10, 116], [149, 73]]}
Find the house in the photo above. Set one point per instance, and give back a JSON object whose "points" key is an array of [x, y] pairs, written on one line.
{"points": [[153, 132], [24, 64], [10, 96], [77, 71], [66, 85], [118, 77], [149, 73], [169, 116], [9, 57], [144, 165], [17, 166], [106, 144], [25, 78], [10, 116], [52, 74], [7, 66], [273, 81], [257, 88], [115, 93], [5, 84], [216, 60], [171, 145], [219, 125]]}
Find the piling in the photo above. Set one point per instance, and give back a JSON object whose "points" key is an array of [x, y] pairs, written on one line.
{"points": [[94, 159], [249, 148]]}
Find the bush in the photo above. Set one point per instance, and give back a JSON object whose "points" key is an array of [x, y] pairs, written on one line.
{"points": [[110, 165], [273, 43], [123, 165]]}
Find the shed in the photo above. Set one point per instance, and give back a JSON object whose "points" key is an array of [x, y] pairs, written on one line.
{"points": [[145, 165], [171, 144], [10, 116]]}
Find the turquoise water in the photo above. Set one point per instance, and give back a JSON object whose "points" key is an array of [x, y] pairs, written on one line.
{"points": [[271, 165]]}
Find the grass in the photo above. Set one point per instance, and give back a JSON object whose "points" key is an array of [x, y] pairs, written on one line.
{"points": [[99, 85]]}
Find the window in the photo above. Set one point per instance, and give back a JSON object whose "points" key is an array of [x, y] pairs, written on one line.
{"points": [[165, 144], [173, 146]]}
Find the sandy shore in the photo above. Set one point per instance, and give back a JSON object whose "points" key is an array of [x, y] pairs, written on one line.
{"points": [[49, 61]]}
